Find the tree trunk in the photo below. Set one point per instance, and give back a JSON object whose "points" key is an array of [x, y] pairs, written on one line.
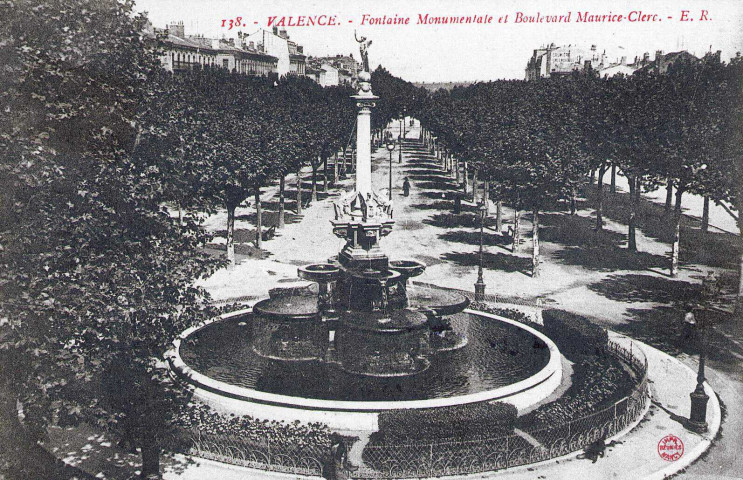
{"points": [[516, 228], [282, 182], [669, 196], [474, 187], [150, 458], [180, 215], [573, 206], [590, 178], [344, 163], [633, 195], [353, 160], [325, 176], [499, 216], [335, 169], [230, 241], [465, 183], [314, 183], [676, 234], [456, 170], [600, 198], [705, 215], [739, 297], [486, 196], [535, 245], [299, 191], [613, 179], [258, 219]]}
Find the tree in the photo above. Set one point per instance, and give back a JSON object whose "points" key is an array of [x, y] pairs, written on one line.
{"points": [[96, 276]]}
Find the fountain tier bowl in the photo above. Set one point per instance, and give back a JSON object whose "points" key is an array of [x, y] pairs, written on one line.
{"points": [[503, 360]]}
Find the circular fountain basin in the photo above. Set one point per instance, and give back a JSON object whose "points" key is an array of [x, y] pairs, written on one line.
{"points": [[503, 361], [319, 272], [288, 328], [442, 302], [378, 344]]}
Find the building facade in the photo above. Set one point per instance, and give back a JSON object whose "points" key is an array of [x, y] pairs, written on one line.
{"points": [[554, 61], [276, 43], [182, 53]]}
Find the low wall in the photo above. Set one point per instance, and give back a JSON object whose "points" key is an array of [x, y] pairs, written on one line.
{"points": [[345, 416]]}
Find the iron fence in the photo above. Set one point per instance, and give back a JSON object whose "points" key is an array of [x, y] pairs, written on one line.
{"points": [[527, 446], [310, 460]]}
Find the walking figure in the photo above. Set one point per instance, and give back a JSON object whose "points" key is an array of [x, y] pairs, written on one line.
{"points": [[689, 330], [406, 187]]}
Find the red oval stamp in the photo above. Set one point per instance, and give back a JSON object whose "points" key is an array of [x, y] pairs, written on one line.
{"points": [[670, 448]]}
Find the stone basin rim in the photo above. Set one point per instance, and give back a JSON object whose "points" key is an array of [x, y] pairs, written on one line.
{"points": [[199, 380]]}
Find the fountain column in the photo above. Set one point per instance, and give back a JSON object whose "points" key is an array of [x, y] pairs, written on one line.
{"points": [[363, 146]]}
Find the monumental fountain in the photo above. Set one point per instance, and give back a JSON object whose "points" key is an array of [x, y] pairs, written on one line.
{"points": [[362, 339]]}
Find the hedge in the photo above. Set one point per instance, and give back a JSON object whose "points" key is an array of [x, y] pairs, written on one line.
{"points": [[473, 420], [574, 334]]}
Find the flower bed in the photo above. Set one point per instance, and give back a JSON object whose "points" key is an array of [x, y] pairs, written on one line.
{"points": [[598, 381], [573, 334], [200, 418], [510, 313], [458, 421]]}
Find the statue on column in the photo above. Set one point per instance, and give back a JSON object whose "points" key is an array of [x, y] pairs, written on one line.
{"points": [[363, 46]]}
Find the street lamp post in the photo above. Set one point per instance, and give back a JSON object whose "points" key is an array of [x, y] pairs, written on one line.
{"points": [[390, 147], [698, 415], [480, 284]]}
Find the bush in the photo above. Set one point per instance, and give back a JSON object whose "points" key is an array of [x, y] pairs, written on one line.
{"points": [[509, 313], [573, 334], [598, 381], [474, 420], [297, 435]]}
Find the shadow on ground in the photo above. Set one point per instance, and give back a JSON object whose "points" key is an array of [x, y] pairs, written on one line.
{"points": [[470, 237], [600, 250], [714, 249], [636, 287], [492, 261]]}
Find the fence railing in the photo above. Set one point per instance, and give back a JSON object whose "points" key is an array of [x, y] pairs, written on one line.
{"points": [[524, 447], [310, 460]]}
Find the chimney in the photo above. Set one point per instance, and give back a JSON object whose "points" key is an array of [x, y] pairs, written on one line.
{"points": [[593, 48], [300, 49], [623, 60], [282, 34], [658, 54], [276, 31], [251, 45], [645, 57], [177, 29], [231, 41]]}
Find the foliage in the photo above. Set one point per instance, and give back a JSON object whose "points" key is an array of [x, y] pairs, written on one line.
{"points": [[459, 421], [597, 381], [96, 276], [205, 420], [574, 334]]}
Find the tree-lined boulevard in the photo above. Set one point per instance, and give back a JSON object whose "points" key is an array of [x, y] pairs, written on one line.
{"points": [[112, 169]]}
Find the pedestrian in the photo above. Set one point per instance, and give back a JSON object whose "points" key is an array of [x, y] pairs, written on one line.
{"points": [[406, 187], [689, 327], [457, 204]]}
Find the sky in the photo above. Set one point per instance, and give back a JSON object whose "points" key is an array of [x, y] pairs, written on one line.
{"points": [[469, 52]]}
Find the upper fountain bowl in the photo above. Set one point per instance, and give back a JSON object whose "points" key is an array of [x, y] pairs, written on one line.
{"points": [[408, 268]]}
